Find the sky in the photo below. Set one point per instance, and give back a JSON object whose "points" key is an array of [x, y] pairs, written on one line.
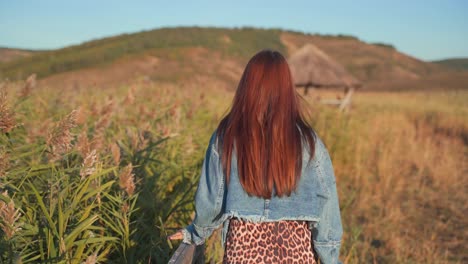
{"points": [[428, 30]]}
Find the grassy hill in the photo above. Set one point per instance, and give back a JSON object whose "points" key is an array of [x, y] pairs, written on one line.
{"points": [[456, 63], [9, 54], [188, 51], [366, 61], [236, 42]]}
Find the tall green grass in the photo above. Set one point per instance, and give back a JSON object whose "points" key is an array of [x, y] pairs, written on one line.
{"points": [[95, 184]]}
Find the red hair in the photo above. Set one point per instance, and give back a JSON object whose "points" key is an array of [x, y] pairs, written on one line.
{"points": [[266, 126]]}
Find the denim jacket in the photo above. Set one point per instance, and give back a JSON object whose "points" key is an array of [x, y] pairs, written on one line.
{"points": [[315, 200]]}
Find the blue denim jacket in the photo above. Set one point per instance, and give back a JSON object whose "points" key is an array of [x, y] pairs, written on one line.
{"points": [[314, 200]]}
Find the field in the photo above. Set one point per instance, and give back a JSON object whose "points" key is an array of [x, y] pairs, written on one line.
{"points": [[105, 174]]}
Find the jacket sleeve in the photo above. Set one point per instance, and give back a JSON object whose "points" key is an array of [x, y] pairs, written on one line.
{"points": [[328, 231], [208, 199]]}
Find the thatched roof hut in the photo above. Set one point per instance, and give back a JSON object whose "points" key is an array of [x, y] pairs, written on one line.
{"points": [[311, 67]]}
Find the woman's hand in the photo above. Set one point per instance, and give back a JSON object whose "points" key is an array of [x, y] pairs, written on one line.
{"points": [[176, 236]]}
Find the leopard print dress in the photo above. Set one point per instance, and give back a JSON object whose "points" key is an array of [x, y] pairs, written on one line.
{"points": [[268, 242]]}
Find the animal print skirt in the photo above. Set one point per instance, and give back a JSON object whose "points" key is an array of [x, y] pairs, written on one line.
{"points": [[268, 242]]}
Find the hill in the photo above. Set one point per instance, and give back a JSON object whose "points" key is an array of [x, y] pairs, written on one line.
{"points": [[184, 52], [9, 54], [237, 42], [455, 63], [368, 62]]}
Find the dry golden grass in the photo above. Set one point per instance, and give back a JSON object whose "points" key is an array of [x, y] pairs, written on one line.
{"points": [[400, 161], [7, 116], [60, 137], [9, 216], [400, 158], [127, 180]]}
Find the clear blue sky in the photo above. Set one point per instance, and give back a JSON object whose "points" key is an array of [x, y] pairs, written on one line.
{"points": [[428, 30]]}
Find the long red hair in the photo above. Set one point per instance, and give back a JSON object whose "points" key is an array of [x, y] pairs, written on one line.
{"points": [[266, 126]]}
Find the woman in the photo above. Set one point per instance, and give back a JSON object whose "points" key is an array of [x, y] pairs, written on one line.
{"points": [[267, 177]]}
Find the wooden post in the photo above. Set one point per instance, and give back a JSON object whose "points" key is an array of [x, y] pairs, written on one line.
{"points": [[345, 103], [306, 89]]}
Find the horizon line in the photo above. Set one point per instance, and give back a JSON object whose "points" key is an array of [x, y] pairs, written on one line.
{"points": [[222, 27]]}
